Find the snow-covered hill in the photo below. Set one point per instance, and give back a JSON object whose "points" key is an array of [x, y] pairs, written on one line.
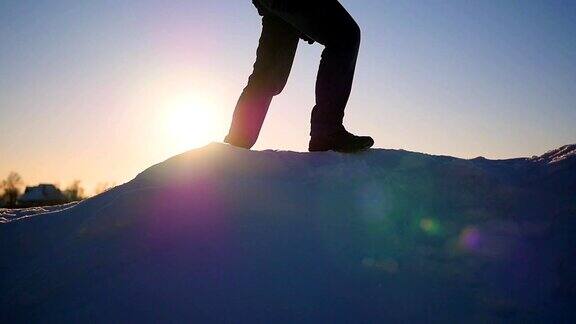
{"points": [[221, 234]]}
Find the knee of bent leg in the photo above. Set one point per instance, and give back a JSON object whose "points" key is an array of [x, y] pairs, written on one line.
{"points": [[350, 36], [354, 35]]}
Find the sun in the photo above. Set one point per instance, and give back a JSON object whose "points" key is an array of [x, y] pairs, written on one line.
{"points": [[190, 122]]}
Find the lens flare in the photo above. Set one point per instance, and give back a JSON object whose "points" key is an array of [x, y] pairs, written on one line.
{"points": [[430, 226], [470, 238]]}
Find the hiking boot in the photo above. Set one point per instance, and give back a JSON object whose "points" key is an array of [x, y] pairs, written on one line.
{"points": [[341, 141]]}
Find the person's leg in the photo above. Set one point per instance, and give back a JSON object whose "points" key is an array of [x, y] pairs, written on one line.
{"points": [[328, 23], [275, 55]]}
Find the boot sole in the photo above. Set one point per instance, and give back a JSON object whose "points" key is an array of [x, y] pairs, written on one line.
{"points": [[354, 150]]}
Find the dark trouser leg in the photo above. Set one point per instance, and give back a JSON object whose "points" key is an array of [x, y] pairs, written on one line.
{"points": [[328, 23], [275, 55]]}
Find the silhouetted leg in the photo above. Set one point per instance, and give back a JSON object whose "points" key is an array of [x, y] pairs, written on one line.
{"points": [[275, 55], [328, 23]]}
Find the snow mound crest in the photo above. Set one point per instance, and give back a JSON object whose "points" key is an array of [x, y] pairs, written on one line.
{"points": [[226, 235]]}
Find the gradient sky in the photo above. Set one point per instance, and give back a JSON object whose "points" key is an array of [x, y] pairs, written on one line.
{"points": [[100, 90]]}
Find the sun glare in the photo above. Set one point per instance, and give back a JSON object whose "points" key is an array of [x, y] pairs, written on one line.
{"points": [[190, 122]]}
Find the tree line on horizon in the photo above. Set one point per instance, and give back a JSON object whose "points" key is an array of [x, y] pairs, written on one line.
{"points": [[11, 189]]}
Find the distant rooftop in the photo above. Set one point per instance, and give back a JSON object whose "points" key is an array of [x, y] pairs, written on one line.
{"points": [[42, 193]]}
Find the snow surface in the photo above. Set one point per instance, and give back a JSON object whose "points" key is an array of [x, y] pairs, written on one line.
{"points": [[9, 215], [221, 234], [560, 154]]}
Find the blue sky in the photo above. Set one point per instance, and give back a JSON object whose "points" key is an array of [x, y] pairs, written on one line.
{"points": [[86, 87]]}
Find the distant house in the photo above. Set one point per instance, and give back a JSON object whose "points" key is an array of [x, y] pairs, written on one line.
{"points": [[42, 195]]}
